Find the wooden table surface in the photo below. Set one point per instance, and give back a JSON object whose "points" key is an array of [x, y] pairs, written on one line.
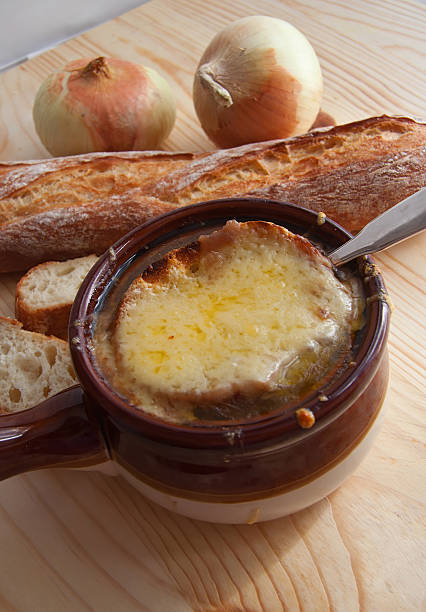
{"points": [[72, 541]]}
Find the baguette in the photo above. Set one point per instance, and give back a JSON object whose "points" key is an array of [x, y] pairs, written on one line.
{"points": [[33, 367], [69, 207], [45, 294]]}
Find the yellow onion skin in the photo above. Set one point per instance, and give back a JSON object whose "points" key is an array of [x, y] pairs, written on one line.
{"points": [[103, 104], [259, 79]]}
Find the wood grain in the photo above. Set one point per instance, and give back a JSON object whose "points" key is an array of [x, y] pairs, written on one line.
{"points": [[76, 541]]}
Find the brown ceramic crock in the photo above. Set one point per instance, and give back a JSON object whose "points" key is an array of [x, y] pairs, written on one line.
{"points": [[240, 471]]}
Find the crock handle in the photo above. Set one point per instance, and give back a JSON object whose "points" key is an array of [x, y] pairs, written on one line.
{"points": [[59, 432]]}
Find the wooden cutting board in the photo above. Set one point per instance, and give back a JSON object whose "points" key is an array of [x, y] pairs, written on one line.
{"points": [[74, 541]]}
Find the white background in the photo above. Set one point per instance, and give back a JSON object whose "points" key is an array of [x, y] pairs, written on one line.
{"points": [[28, 27]]}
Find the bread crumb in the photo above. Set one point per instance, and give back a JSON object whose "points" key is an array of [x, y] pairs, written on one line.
{"points": [[370, 270], [305, 418], [90, 345], [321, 218], [112, 255]]}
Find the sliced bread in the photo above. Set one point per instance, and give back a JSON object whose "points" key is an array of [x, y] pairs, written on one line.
{"points": [[45, 294], [32, 367]]}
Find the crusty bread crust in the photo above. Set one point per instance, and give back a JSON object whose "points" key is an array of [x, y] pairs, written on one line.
{"points": [[25, 187], [69, 207], [352, 172], [51, 320], [75, 231]]}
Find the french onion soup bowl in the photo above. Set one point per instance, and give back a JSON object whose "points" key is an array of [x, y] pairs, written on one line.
{"points": [[241, 447]]}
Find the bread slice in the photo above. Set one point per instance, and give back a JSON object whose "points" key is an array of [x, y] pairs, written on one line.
{"points": [[245, 311], [32, 367], [74, 206], [45, 294]]}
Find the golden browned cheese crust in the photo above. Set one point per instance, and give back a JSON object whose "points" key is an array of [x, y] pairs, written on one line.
{"points": [[247, 311]]}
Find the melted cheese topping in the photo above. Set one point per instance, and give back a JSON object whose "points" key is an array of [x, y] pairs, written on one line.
{"points": [[258, 310]]}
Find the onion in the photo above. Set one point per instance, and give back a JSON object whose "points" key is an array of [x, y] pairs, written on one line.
{"points": [[259, 79], [103, 104]]}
